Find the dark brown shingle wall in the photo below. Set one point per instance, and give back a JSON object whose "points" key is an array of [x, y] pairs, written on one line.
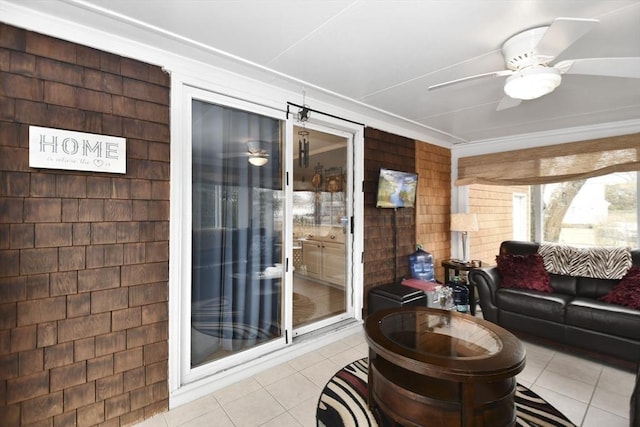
{"points": [[427, 223], [385, 150], [83, 256]]}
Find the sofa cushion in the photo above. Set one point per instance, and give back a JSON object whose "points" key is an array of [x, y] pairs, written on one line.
{"points": [[563, 284], [594, 288], [542, 305], [603, 317], [524, 272], [627, 292]]}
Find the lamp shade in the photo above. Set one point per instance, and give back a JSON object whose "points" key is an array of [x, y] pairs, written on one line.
{"points": [[464, 222]]}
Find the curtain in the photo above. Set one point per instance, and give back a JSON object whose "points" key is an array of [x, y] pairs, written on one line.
{"points": [[236, 234], [554, 163]]}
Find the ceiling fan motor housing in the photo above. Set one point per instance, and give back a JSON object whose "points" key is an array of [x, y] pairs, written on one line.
{"points": [[519, 50], [532, 78]]}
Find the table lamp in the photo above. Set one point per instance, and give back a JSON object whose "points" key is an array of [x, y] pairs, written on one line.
{"points": [[464, 222]]}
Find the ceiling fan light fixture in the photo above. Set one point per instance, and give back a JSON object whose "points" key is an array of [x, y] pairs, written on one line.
{"points": [[258, 159], [532, 83]]}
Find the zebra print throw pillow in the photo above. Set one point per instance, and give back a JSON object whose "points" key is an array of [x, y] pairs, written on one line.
{"points": [[596, 262]]}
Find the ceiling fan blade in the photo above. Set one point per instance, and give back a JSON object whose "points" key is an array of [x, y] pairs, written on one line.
{"points": [[611, 67], [561, 34], [508, 102], [477, 76]]}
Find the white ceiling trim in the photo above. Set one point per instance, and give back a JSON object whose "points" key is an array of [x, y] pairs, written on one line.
{"points": [[541, 139]]}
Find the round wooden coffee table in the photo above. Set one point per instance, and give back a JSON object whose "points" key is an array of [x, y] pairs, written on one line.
{"points": [[441, 368]]}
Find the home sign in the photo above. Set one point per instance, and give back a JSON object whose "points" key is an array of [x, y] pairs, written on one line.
{"points": [[64, 149]]}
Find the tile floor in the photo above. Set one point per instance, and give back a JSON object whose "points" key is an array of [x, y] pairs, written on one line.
{"points": [[591, 394]]}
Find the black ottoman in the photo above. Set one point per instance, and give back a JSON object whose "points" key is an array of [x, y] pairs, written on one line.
{"points": [[394, 295]]}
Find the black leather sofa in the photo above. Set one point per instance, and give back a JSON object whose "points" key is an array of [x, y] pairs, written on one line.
{"points": [[634, 403], [571, 314]]}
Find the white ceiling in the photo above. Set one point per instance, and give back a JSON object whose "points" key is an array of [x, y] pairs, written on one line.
{"points": [[385, 54]]}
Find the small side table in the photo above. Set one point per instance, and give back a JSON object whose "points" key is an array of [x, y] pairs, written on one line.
{"points": [[457, 267]]}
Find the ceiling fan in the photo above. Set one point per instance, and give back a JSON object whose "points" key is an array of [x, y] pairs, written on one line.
{"points": [[528, 56], [255, 154], [258, 157]]}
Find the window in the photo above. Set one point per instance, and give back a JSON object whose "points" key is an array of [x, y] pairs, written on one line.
{"points": [[600, 211]]}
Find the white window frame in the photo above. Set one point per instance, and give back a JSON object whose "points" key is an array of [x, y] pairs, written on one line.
{"points": [[519, 200]]}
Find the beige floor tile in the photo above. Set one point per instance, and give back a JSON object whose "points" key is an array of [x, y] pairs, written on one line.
{"points": [[617, 380], [293, 390], [538, 353], [333, 349], [309, 359], [598, 418], [354, 340], [575, 368], [525, 383], [189, 411], [577, 390], [322, 372], [274, 374], [570, 408], [610, 401], [256, 408], [287, 395], [346, 357], [531, 372], [284, 420], [216, 417], [155, 421], [363, 349], [237, 390], [305, 412]]}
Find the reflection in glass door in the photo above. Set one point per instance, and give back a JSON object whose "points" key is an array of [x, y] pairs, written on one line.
{"points": [[237, 206], [321, 236]]}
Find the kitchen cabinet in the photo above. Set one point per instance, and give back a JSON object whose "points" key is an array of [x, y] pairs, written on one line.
{"points": [[333, 264], [312, 257], [325, 260]]}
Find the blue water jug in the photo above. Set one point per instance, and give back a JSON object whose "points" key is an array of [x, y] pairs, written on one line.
{"points": [[421, 264]]}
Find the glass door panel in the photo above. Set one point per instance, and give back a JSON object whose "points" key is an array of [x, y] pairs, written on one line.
{"points": [[321, 287], [237, 229]]}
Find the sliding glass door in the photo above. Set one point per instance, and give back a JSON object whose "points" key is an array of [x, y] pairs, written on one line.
{"points": [[249, 278], [237, 231]]}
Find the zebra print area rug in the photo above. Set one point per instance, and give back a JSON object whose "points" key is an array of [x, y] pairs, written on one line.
{"points": [[343, 403]]}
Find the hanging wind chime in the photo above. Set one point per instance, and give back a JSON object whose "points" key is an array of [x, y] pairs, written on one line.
{"points": [[303, 135]]}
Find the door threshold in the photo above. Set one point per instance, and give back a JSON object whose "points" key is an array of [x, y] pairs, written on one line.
{"points": [[341, 326]]}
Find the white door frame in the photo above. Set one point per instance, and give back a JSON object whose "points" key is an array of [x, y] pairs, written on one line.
{"points": [[186, 384]]}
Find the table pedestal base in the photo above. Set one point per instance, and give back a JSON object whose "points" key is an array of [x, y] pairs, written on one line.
{"points": [[417, 400]]}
